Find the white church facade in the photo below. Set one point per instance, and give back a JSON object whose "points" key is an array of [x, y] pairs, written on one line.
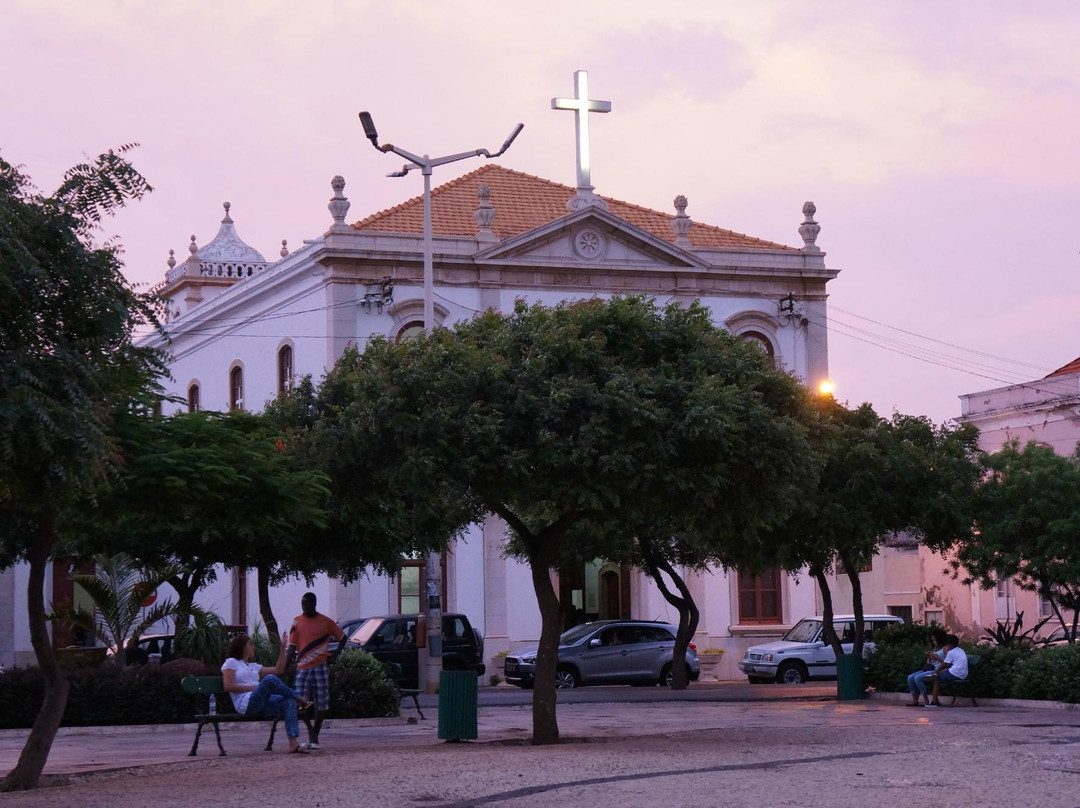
{"points": [[242, 329]]}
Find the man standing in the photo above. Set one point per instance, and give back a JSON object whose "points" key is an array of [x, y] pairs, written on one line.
{"points": [[309, 639]]}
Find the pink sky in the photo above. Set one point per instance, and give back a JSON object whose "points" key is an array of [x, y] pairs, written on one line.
{"points": [[937, 140]]}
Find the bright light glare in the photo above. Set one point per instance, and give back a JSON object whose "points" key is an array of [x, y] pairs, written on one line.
{"points": [[827, 388]]}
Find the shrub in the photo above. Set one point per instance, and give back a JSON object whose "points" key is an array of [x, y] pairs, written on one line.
{"points": [[106, 695], [360, 687], [899, 650], [1052, 674]]}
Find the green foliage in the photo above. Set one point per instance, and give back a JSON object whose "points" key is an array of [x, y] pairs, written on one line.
{"points": [[67, 361], [203, 638], [266, 653], [109, 696], [360, 688], [1028, 520], [1049, 673], [1012, 635], [117, 588], [103, 696], [877, 476]]}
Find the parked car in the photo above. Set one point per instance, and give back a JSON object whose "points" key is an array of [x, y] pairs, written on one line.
{"points": [[392, 638], [149, 646], [1059, 637], [608, 652], [349, 627], [803, 655]]}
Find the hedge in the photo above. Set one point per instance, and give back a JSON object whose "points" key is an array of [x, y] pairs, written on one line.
{"points": [[1041, 674], [108, 696]]}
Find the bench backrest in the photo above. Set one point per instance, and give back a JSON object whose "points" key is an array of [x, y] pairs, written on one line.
{"points": [[202, 684]]}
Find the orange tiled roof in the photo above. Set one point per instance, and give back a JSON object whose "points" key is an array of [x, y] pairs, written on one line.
{"points": [[523, 202], [1072, 367]]}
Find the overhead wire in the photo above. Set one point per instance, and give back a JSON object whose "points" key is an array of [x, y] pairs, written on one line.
{"points": [[993, 370]]}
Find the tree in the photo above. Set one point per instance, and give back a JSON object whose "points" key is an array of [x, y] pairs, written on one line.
{"points": [[1027, 517], [877, 477], [68, 366], [200, 489], [557, 420], [118, 587]]}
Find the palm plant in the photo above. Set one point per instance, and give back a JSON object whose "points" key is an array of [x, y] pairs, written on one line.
{"points": [[117, 588]]}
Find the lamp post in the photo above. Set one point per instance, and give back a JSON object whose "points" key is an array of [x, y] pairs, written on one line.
{"points": [[431, 655]]}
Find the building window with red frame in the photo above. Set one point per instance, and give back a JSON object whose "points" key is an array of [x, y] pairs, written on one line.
{"points": [[759, 597]]}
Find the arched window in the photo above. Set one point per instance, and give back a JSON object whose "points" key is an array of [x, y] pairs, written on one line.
{"points": [[410, 331], [757, 338], [236, 388], [285, 369], [193, 404]]}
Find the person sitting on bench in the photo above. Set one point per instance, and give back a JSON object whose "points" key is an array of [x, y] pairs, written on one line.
{"points": [[256, 689], [953, 669]]}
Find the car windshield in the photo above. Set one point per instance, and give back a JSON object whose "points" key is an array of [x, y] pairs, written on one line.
{"points": [[804, 631], [362, 634], [575, 634]]}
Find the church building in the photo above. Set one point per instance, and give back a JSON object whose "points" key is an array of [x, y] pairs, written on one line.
{"points": [[242, 329]]}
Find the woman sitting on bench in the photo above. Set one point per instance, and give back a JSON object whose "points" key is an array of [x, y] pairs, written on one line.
{"points": [[270, 696]]}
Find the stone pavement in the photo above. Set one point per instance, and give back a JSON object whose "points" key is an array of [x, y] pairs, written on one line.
{"points": [[711, 750]]}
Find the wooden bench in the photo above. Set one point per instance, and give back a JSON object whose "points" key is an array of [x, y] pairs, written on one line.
{"points": [[962, 689], [207, 686]]}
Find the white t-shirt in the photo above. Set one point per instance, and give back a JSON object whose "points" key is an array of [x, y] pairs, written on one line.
{"points": [[958, 666], [246, 673]]}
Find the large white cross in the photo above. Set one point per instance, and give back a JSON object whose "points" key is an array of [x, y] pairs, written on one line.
{"points": [[582, 106]]}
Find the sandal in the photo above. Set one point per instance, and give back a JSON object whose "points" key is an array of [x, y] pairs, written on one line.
{"points": [[302, 749]]}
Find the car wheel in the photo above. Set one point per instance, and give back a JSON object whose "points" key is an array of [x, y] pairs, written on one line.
{"points": [[791, 673], [666, 675], [566, 679]]}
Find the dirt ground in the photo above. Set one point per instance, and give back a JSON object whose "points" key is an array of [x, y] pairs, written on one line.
{"points": [[805, 755]]}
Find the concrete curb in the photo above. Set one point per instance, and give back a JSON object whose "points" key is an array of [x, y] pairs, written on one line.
{"points": [[1028, 704]]}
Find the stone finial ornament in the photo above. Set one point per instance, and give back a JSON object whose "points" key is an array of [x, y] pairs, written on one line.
{"points": [[339, 204], [809, 229], [680, 224], [193, 247], [226, 205], [284, 248], [172, 259], [485, 215]]}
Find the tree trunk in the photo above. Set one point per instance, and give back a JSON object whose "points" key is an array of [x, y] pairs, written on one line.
{"points": [[818, 575], [545, 721], [35, 753], [267, 613], [857, 608], [684, 602]]}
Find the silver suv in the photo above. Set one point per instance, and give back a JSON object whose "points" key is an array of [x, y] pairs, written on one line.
{"points": [[608, 652], [802, 654]]}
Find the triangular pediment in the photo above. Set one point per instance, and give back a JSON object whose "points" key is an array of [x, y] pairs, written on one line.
{"points": [[588, 237]]}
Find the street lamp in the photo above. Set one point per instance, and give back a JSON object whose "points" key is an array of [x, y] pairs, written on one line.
{"points": [[432, 653], [425, 164]]}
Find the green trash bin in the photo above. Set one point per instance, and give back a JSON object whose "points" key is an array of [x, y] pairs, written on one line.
{"points": [[850, 680], [457, 705]]}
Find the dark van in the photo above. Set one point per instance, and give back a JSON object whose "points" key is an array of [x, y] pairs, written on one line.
{"points": [[392, 638]]}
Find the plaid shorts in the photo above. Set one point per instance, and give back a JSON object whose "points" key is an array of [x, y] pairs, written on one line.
{"points": [[314, 684]]}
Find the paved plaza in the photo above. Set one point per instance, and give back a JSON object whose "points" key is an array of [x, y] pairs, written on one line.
{"points": [[712, 750]]}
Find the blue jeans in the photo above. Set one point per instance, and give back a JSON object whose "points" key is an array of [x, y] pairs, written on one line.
{"points": [[275, 698], [916, 683]]}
